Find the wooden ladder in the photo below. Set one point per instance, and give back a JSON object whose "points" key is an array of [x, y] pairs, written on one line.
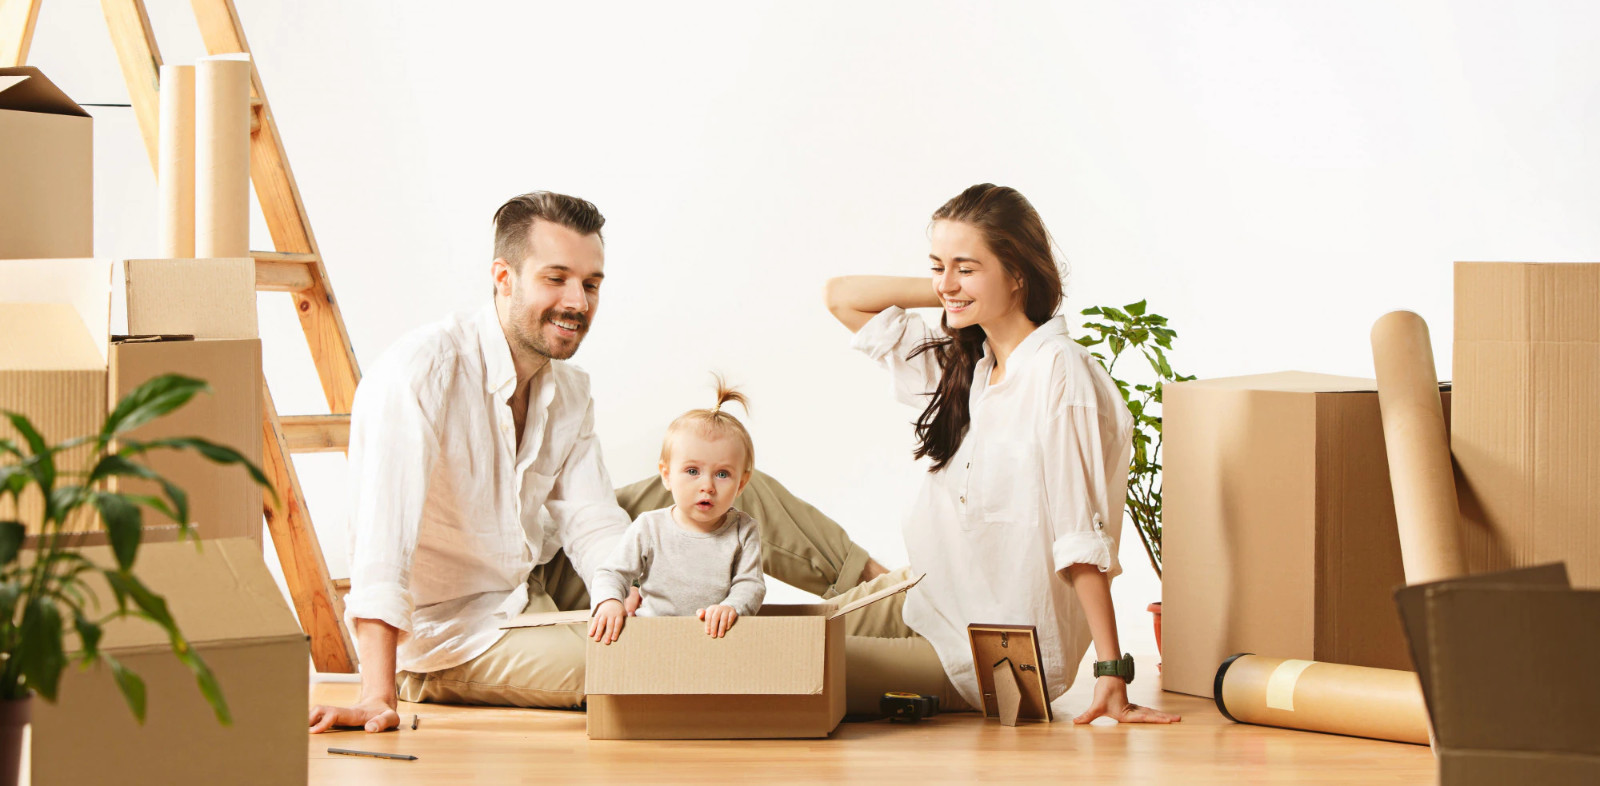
{"points": [[294, 266]]}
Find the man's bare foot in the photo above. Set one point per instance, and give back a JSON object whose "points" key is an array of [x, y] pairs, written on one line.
{"points": [[872, 570]]}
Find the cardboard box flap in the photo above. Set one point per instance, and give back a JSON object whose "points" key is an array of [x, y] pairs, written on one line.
{"points": [[64, 341], [543, 619], [1527, 301], [674, 656], [84, 284], [876, 596], [205, 298], [1507, 661], [1288, 382], [26, 89], [221, 592]]}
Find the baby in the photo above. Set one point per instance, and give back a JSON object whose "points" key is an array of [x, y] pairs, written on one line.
{"points": [[701, 555]]}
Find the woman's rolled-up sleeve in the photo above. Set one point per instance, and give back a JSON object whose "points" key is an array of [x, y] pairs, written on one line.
{"points": [[1074, 471], [889, 338]]}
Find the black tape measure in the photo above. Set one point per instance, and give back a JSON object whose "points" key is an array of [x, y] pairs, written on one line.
{"points": [[908, 707]]}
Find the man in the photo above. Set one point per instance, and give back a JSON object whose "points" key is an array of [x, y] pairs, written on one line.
{"points": [[460, 435]]}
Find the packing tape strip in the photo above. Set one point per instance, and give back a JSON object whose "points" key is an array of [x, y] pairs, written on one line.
{"points": [[1280, 686]]}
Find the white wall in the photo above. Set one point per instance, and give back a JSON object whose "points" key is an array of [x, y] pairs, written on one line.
{"points": [[1272, 176]]}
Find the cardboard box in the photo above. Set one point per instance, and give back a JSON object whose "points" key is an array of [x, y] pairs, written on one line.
{"points": [[1279, 527], [777, 674], [67, 374], [47, 203], [228, 607], [1526, 431], [55, 315], [1528, 718]]}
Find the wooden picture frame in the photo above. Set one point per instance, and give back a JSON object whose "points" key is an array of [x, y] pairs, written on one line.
{"points": [[993, 644]]}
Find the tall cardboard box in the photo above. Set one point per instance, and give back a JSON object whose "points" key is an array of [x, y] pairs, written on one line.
{"points": [[213, 301], [47, 169], [54, 325], [1279, 527], [1495, 723], [777, 674], [227, 605], [1526, 429]]}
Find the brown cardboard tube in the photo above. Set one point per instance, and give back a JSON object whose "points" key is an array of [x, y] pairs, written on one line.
{"points": [[1418, 447], [175, 168], [222, 157], [1382, 704]]}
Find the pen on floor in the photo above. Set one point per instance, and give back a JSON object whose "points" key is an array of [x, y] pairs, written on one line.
{"points": [[374, 754]]}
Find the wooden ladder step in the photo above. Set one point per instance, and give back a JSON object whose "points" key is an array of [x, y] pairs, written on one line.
{"points": [[277, 272], [316, 433]]}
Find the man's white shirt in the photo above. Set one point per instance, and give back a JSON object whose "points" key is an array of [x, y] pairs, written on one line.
{"points": [[445, 517]]}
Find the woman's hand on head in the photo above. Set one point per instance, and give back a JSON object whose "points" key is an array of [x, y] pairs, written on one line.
{"points": [[1111, 701]]}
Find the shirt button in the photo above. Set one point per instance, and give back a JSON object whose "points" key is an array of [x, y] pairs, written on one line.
{"points": [[963, 500]]}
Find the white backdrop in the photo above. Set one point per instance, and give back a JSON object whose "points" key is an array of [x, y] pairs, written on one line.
{"points": [[1272, 176]]}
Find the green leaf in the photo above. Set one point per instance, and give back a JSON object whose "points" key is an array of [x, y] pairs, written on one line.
{"points": [[149, 401], [13, 479], [1086, 341], [118, 465], [7, 446], [42, 461], [1117, 344], [11, 536], [131, 685], [153, 605], [219, 454], [1138, 336], [209, 688], [1117, 314], [1092, 311], [124, 524], [39, 647], [89, 636], [9, 592], [1136, 309]]}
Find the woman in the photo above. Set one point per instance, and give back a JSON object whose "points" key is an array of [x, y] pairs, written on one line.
{"points": [[1018, 518]]}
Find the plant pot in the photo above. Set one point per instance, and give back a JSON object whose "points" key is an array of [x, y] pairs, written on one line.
{"points": [[14, 717], [1155, 611]]}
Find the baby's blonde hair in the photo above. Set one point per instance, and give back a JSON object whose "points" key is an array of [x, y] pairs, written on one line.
{"points": [[714, 423]]}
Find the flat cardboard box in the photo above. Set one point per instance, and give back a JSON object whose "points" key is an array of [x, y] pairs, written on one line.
{"points": [[777, 674], [1526, 429], [1507, 663], [55, 317], [47, 157], [1279, 529], [231, 611]]}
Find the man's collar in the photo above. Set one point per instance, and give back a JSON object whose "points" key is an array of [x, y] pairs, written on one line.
{"points": [[499, 372]]}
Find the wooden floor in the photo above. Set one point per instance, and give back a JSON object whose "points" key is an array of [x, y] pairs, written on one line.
{"points": [[494, 746]]}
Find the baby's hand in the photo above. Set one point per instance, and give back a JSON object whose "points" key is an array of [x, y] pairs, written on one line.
{"points": [[606, 624], [718, 619]]}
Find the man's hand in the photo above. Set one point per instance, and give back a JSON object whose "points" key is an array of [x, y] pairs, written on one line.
{"points": [[606, 624], [374, 715], [634, 601], [718, 619], [1111, 701]]}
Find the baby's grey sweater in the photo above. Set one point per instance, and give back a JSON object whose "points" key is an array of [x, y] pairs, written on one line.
{"points": [[681, 571]]}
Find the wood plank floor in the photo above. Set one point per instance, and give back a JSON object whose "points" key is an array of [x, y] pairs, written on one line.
{"points": [[495, 746]]}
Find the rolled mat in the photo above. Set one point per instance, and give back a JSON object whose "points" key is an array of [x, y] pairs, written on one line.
{"points": [[175, 162], [1382, 704], [1418, 447], [222, 157]]}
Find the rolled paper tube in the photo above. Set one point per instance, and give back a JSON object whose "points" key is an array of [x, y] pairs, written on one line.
{"points": [[1418, 446], [175, 167], [222, 157], [1382, 704]]}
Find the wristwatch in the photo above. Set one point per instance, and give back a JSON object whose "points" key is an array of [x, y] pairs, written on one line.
{"points": [[1122, 667]]}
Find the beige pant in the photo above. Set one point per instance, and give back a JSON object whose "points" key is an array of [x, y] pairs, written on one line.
{"points": [[883, 654], [543, 667]]}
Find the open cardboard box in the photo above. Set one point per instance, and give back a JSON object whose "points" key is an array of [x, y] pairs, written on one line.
{"points": [[47, 161], [1508, 668], [61, 367], [226, 604], [777, 674]]}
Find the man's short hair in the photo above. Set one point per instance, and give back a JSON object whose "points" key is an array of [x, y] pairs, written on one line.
{"points": [[513, 222]]}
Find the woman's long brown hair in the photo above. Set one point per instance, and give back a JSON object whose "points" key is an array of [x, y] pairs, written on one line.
{"points": [[1017, 236]]}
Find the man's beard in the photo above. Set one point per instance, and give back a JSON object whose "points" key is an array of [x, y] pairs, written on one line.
{"points": [[533, 340]]}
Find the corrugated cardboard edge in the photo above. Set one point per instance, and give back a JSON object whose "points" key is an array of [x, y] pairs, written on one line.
{"points": [[543, 619], [27, 89], [206, 298], [893, 589]]}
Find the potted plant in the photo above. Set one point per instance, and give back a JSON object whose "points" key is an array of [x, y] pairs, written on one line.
{"points": [[44, 597], [1121, 331]]}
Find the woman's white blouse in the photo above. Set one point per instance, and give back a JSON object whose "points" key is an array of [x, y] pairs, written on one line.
{"points": [[1038, 484]]}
